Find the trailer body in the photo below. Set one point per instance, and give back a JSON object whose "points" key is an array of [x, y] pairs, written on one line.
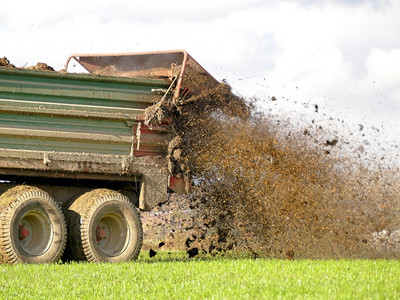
{"points": [[83, 143], [84, 127]]}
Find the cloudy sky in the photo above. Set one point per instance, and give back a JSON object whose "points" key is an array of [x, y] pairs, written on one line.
{"points": [[342, 55]]}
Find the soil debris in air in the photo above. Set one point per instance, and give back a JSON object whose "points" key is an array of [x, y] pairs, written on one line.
{"points": [[273, 194], [193, 252], [331, 142], [152, 253]]}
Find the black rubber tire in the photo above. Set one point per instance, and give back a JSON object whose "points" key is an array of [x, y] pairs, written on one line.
{"points": [[32, 227], [103, 227]]}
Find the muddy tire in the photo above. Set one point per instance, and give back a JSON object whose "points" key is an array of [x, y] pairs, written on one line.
{"points": [[32, 227], [103, 227]]}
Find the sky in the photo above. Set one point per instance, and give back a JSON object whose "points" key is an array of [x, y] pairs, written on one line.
{"points": [[343, 56]]}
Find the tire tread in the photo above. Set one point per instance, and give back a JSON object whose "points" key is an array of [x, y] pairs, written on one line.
{"points": [[10, 201]]}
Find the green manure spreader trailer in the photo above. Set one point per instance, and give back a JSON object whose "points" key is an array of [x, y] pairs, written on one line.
{"points": [[81, 154]]}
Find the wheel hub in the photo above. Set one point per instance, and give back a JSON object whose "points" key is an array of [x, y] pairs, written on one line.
{"points": [[34, 233], [112, 234]]}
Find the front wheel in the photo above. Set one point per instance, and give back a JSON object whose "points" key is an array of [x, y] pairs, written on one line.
{"points": [[103, 227], [32, 226]]}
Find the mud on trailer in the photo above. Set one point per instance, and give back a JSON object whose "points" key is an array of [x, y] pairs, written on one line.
{"points": [[80, 154]]}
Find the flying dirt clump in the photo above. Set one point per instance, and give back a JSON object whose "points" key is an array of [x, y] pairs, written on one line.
{"points": [[272, 196]]}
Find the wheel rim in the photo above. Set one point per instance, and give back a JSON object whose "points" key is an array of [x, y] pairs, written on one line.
{"points": [[34, 233], [111, 234]]}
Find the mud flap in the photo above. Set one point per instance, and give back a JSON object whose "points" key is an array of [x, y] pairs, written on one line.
{"points": [[153, 190]]}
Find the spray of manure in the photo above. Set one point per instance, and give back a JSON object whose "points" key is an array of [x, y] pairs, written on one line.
{"points": [[273, 195]]}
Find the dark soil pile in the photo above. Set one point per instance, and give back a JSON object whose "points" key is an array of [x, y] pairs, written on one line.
{"points": [[4, 62], [41, 67]]}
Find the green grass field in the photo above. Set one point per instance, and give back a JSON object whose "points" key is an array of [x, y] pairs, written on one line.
{"points": [[173, 276]]}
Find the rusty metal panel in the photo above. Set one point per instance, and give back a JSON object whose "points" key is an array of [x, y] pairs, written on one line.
{"points": [[189, 74], [131, 61]]}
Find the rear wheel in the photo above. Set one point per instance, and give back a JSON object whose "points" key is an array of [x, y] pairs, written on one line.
{"points": [[32, 226], [103, 227]]}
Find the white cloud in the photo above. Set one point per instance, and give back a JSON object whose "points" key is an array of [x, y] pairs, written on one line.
{"points": [[383, 68], [325, 51], [330, 50]]}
